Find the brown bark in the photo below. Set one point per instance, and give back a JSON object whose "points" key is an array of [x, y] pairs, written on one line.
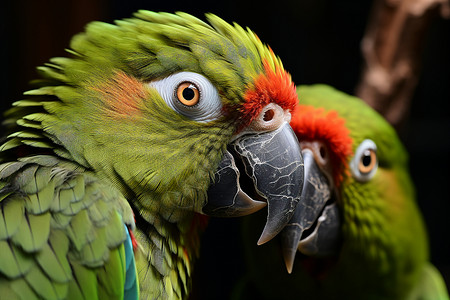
{"points": [[391, 48]]}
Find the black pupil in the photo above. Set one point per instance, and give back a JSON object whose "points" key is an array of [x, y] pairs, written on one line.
{"points": [[188, 93], [366, 159]]}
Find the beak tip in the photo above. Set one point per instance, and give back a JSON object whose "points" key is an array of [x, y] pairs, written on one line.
{"points": [[271, 229], [263, 239], [289, 257]]}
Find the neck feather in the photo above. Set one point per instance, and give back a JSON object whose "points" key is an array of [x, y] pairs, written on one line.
{"points": [[166, 253]]}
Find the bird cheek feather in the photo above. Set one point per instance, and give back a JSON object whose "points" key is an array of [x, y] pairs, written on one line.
{"points": [[122, 95]]}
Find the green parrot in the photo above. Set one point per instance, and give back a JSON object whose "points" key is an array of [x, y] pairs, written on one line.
{"points": [[110, 164], [357, 232]]}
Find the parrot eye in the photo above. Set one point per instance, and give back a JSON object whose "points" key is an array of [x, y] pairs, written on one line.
{"points": [[188, 94], [365, 163], [191, 95], [368, 161]]}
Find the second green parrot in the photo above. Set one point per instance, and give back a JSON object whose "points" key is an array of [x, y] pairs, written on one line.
{"points": [[357, 232]]}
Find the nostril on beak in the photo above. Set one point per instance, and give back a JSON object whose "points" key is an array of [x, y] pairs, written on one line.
{"points": [[271, 117], [323, 152], [268, 115]]}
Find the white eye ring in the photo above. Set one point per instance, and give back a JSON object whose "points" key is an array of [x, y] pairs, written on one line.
{"points": [[364, 164], [207, 106]]}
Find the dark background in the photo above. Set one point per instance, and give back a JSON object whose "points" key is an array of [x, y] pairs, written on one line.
{"points": [[318, 41]]}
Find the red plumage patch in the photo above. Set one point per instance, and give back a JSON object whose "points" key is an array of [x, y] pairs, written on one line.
{"points": [[271, 86], [134, 241], [316, 124]]}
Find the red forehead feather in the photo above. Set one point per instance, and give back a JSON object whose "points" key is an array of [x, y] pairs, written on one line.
{"points": [[271, 86], [316, 124]]}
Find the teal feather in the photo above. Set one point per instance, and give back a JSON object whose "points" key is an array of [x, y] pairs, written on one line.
{"points": [[131, 284]]}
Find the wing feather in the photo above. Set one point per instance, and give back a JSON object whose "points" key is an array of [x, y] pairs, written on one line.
{"points": [[61, 232]]}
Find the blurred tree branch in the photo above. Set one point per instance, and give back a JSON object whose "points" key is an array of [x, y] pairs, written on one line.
{"points": [[392, 48]]}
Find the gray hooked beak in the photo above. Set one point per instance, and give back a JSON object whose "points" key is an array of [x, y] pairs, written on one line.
{"points": [[263, 163], [314, 229]]}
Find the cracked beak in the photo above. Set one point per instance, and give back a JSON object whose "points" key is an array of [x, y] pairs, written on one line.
{"points": [[261, 167], [314, 229]]}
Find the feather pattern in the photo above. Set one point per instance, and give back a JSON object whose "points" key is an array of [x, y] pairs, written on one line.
{"points": [[39, 250]]}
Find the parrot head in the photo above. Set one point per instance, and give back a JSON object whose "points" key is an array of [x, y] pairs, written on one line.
{"points": [[174, 112], [357, 205]]}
